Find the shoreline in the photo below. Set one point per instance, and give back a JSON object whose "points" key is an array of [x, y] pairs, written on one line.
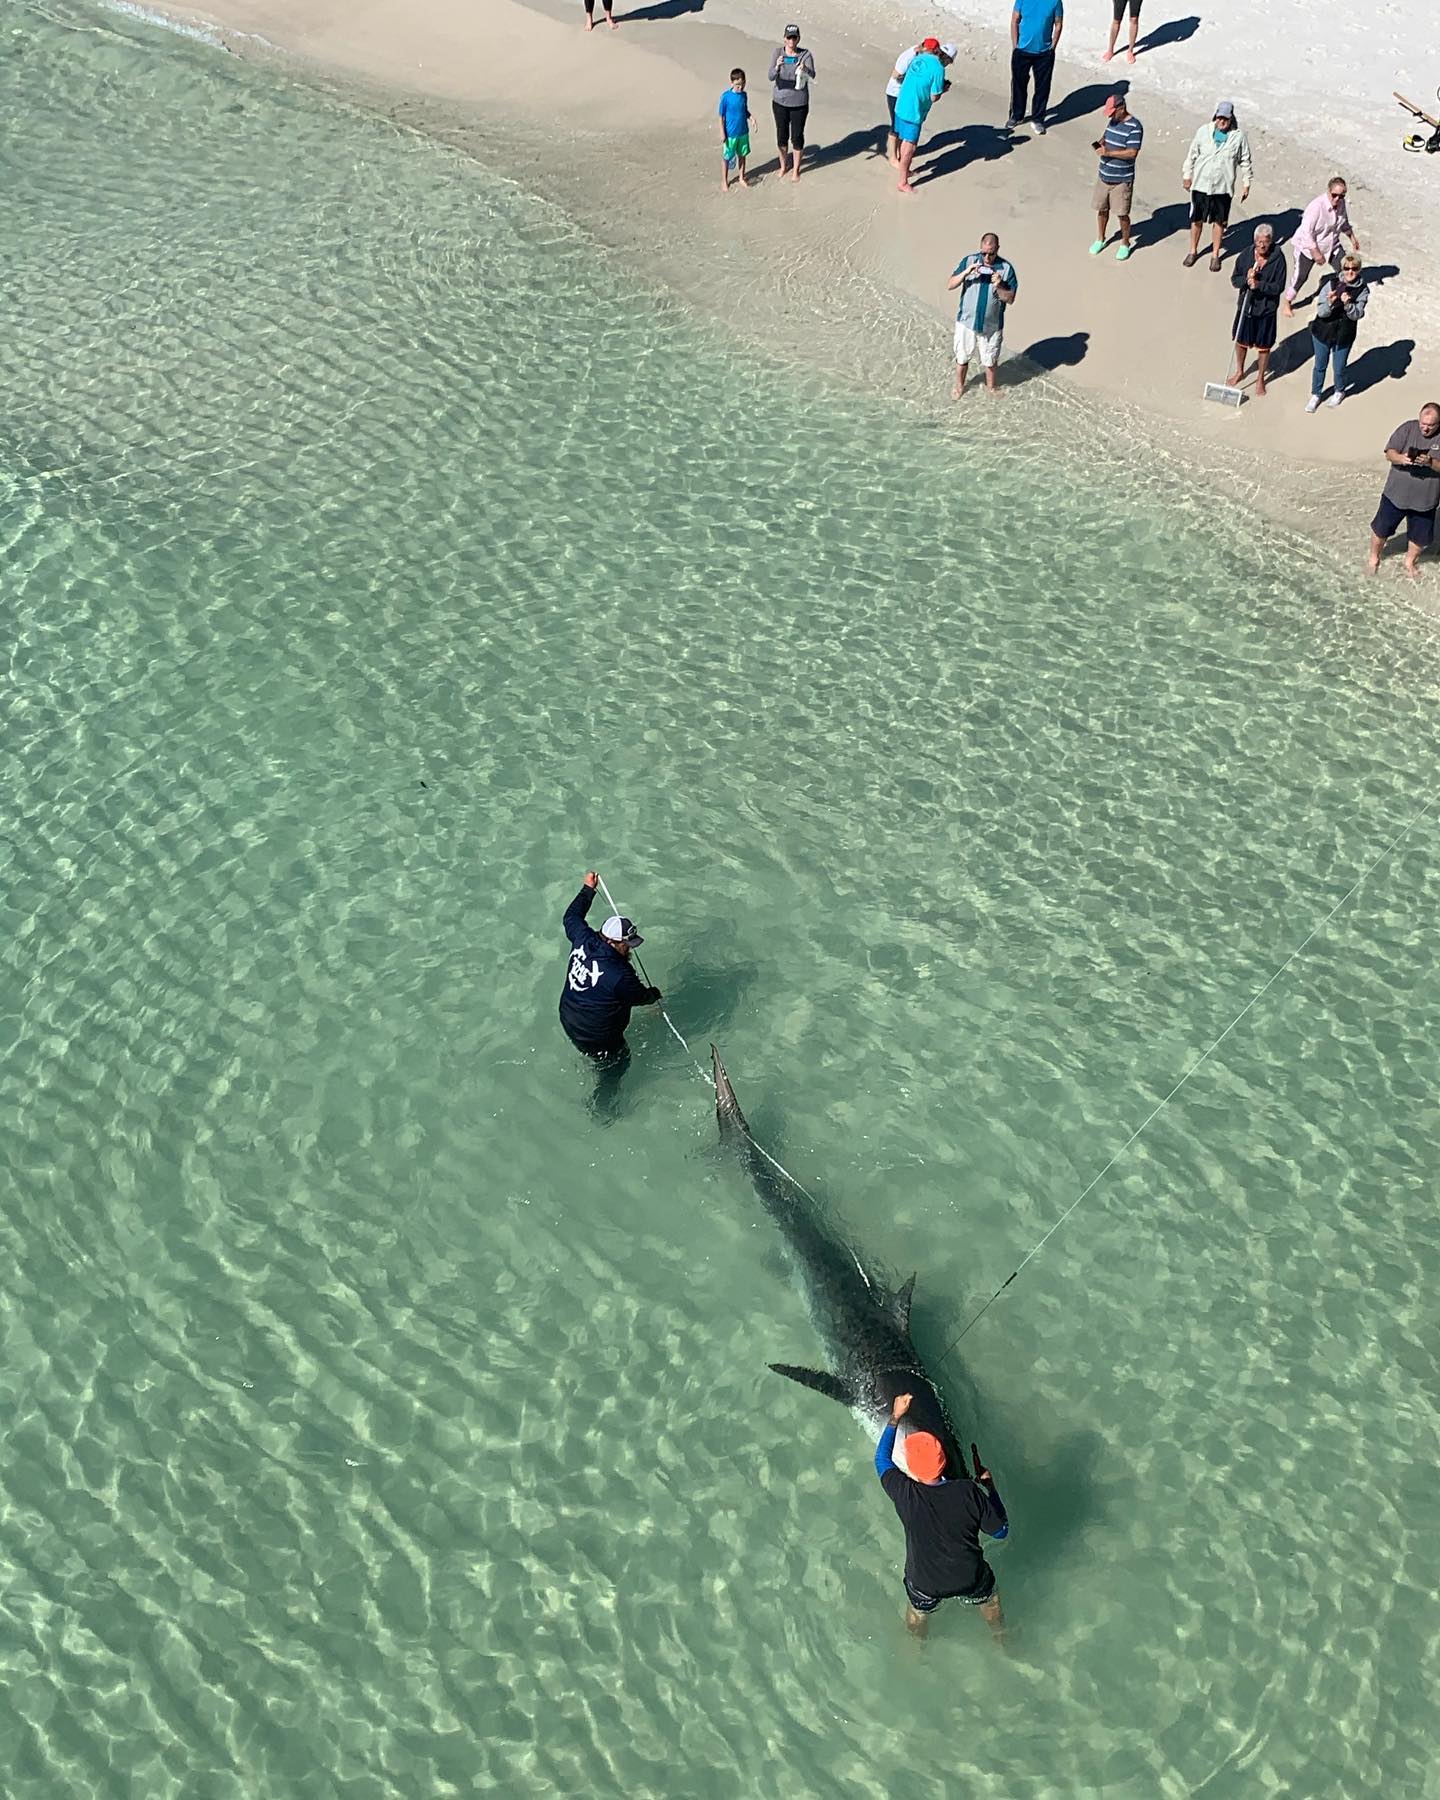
{"points": [[846, 274]]}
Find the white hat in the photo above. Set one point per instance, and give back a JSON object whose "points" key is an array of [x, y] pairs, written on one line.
{"points": [[620, 930], [950, 51]]}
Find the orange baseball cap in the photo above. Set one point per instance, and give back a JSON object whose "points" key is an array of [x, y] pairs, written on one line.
{"points": [[924, 1456]]}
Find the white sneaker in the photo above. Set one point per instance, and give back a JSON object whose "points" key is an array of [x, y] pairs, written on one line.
{"points": [[1313, 403], [1335, 399]]}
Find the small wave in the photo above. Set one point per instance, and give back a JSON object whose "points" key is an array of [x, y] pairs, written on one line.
{"points": [[149, 16]]}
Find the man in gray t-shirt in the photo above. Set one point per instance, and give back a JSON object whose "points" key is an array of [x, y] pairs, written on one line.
{"points": [[1412, 490]]}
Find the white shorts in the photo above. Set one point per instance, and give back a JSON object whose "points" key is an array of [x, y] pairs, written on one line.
{"points": [[968, 342]]}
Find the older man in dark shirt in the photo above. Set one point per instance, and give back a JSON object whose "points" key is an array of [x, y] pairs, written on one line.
{"points": [[1412, 491], [943, 1512]]}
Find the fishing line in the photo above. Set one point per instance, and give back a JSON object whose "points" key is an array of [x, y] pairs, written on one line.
{"points": [[679, 1035], [706, 1076], [1203, 1057]]}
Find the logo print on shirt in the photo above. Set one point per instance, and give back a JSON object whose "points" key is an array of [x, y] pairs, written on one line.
{"points": [[582, 975]]}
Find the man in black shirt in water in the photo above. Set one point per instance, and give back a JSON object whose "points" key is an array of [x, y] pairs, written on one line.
{"points": [[943, 1515], [600, 989]]}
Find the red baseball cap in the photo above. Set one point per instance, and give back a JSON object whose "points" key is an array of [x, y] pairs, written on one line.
{"points": [[930, 44], [924, 1456]]}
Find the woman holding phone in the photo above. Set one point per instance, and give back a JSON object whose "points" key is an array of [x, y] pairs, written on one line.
{"points": [[1341, 307]]}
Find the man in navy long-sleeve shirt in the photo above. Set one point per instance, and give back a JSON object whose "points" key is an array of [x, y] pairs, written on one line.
{"points": [[943, 1515], [600, 985]]}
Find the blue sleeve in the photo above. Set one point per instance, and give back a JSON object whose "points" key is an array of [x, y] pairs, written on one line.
{"points": [[578, 932], [884, 1461], [994, 1520]]}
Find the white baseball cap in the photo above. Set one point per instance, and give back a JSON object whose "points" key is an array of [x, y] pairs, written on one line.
{"points": [[620, 930]]}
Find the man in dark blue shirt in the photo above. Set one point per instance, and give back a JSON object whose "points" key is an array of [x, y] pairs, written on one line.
{"points": [[943, 1513], [600, 985]]}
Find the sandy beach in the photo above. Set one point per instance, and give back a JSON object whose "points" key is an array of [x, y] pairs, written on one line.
{"points": [[844, 271]]}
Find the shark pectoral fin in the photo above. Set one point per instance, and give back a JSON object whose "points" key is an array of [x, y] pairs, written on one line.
{"points": [[900, 1304], [820, 1380]]}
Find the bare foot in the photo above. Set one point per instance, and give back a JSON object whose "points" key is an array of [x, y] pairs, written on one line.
{"points": [[613, 25], [1289, 310], [905, 188], [744, 182], [1130, 56], [957, 392], [589, 24], [1411, 572], [1260, 390], [1109, 56], [795, 176]]}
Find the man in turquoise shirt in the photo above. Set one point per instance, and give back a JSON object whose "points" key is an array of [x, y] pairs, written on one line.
{"points": [[923, 85], [1035, 27]]}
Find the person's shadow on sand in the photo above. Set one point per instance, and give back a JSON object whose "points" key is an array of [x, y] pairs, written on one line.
{"points": [[1043, 357], [1088, 99], [662, 9], [964, 145], [1173, 31]]}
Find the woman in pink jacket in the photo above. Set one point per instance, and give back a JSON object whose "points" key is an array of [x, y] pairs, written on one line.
{"points": [[1317, 242]]}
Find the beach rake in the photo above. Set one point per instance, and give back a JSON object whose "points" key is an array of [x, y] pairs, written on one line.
{"points": [[1219, 391]]}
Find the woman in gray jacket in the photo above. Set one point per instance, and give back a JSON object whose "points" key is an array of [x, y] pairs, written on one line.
{"points": [[1343, 299], [1217, 159]]}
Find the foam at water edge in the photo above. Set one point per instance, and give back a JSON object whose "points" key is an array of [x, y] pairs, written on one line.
{"points": [[202, 34]]}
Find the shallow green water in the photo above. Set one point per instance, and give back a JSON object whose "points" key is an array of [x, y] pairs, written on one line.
{"points": [[375, 558]]}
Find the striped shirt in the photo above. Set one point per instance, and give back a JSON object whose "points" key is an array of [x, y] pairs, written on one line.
{"points": [[1125, 134], [981, 308]]}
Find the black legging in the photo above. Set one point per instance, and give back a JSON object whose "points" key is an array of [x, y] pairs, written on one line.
{"points": [[789, 125], [590, 8]]}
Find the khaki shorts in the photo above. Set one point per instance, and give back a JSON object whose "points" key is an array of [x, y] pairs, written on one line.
{"points": [[1114, 197]]}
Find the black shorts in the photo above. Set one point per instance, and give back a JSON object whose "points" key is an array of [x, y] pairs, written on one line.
{"points": [[1209, 209], [1120, 9], [890, 102], [926, 1603], [789, 125], [1419, 526]]}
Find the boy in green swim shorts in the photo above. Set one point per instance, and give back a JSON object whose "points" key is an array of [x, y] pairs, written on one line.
{"points": [[735, 121]]}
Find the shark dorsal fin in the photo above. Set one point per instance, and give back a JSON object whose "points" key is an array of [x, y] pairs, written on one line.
{"points": [[819, 1379], [900, 1305]]}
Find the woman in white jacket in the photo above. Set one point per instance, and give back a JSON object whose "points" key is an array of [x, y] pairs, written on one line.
{"points": [[1217, 159]]}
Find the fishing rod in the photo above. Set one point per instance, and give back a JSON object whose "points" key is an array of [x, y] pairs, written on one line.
{"points": [[645, 977]]}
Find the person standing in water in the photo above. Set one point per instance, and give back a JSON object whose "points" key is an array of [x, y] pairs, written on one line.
{"points": [[943, 1515], [601, 989]]}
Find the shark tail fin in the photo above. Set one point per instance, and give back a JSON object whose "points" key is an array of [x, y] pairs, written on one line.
{"points": [[819, 1379]]}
